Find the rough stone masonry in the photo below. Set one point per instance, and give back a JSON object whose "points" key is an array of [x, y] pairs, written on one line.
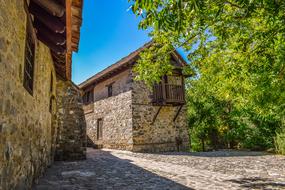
{"points": [[33, 126], [129, 120], [71, 139]]}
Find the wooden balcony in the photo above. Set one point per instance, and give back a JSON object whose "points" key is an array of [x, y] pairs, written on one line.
{"points": [[168, 94]]}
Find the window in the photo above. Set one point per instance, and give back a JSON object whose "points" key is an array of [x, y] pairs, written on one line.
{"points": [[99, 129], [110, 90], [51, 102], [52, 98], [88, 97], [29, 58], [51, 83]]}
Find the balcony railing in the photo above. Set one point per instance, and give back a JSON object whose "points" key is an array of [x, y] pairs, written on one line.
{"points": [[168, 94]]}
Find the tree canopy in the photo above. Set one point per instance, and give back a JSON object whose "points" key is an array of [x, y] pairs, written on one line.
{"points": [[237, 50]]}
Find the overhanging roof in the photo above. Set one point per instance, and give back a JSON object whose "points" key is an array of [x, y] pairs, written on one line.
{"points": [[122, 64], [57, 24]]}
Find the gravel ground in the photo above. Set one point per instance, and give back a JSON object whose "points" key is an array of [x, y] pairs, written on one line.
{"points": [[120, 170]]}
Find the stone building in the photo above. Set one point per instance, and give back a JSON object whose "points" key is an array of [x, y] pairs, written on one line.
{"points": [[41, 115], [122, 113]]}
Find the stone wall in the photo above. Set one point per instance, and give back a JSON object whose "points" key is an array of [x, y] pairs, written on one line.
{"points": [[128, 118], [25, 121], [120, 83], [71, 139], [116, 114], [161, 135]]}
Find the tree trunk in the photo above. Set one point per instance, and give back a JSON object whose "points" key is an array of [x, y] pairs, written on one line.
{"points": [[203, 145]]}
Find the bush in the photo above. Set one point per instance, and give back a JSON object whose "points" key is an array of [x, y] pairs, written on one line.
{"points": [[256, 140], [280, 142]]}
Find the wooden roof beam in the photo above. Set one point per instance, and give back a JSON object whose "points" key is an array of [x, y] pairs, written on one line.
{"points": [[59, 39], [58, 56], [56, 48], [51, 6], [50, 21], [68, 24], [62, 2], [68, 15], [77, 3]]}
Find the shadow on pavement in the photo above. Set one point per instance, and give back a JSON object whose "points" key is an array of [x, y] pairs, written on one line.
{"points": [[102, 171], [258, 183]]}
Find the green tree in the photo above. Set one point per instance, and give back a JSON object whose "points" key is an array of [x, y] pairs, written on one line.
{"points": [[237, 49]]}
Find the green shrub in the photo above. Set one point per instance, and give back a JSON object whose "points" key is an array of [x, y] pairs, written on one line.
{"points": [[280, 142], [256, 140]]}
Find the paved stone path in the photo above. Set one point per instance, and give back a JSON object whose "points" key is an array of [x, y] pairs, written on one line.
{"points": [[120, 170]]}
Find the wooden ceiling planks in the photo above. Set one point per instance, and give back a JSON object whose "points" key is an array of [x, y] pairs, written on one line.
{"points": [[52, 22], [52, 7], [59, 39], [57, 24], [76, 22]]}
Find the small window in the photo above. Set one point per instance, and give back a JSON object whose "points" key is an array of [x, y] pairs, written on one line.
{"points": [[88, 97], [51, 103], [29, 58], [99, 129], [91, 96], [110, 90], [51, 83]]}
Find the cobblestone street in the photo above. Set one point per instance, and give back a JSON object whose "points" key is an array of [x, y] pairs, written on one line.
{"points": [[119, 170]]}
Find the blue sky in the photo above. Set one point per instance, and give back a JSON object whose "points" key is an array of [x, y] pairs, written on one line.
{"points": [[108, 33]]}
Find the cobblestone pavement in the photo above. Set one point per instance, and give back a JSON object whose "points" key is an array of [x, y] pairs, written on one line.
{"points": [[120, 170]]}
